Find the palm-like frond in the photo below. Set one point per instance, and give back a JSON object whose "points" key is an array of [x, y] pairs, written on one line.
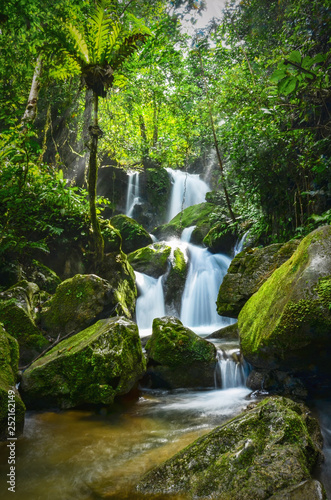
{"points": [[80, 43]]}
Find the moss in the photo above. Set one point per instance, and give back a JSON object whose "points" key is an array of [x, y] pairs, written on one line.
{"points": [[133, 235], [8, 372], [151, 260], [287, 313], [196, 215], [43, 276], [253, 455], [91, 367], [158, 187]]}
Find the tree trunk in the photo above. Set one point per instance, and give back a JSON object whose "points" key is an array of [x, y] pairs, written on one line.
{"points": [[95, 133], [31, 107]]}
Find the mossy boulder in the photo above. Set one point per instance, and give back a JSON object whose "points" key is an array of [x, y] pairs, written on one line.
{"points": [[247, 272], [77, 303], [177, 357], [116, 269], [158, 188], [286, 325], [151, 260], [133, 235], [93, 366], [197, 215], [111, 236], [221, 238], [9, 354], [17, 313], [43, 276], [261, 452], [175, 282]]}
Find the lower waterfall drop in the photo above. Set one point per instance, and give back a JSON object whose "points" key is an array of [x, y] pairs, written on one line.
{"points": [[230, 372]]}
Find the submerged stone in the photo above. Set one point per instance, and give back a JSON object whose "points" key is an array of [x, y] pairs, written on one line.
{"points": [[255, 455], [93, 366], [286, 325], [178, 357], [151, 260], [247, 272], [10, 400]]}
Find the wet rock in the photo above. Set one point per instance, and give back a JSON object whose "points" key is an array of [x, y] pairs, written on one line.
{"points": [[306, 490], [247, 272], [261, 452], [286, 325], [77, 303], [9, 354], [221, 238], [93, 366], [177, 357], [133, 235], [43, 276], [151, 260], [17, 313], [228, 332], [175, 282]]}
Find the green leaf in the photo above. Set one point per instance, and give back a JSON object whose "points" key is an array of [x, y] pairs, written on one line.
{"points": [[295, 56], [277, 75], [287, 85]]}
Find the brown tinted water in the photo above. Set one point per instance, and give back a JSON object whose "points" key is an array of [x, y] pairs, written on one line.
{"points": [[89, 455]]}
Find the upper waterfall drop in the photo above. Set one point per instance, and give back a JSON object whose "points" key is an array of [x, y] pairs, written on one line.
{"points": [[187, 190], [133, 193]]}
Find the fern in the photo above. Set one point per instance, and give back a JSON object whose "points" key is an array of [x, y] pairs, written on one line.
{"points": [[80, 43]]}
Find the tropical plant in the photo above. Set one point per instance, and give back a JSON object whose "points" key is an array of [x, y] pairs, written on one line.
{"points": [[98, 49]]}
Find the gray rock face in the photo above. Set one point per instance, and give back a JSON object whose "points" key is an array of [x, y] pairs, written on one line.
{"points": [[177, 357], [286, 325], [247, 272], [92, 366], [261, 452]]}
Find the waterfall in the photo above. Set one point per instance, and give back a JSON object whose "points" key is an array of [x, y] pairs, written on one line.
{"points": [[150, 303], [187, 190], [206, 272], [239, 246], [230, 372], [132, 197]]}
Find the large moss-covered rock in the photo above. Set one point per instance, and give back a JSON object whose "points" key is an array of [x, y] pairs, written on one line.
{"points": [[177, 357], [93, 366], [197, 215], [117, 270], [8, 393], [17, 313], [43, 276], [133, 235], [175, 282], [221, 238], [151, 260], [286, 325], [257, 454], [77, 303], [247, 272]]}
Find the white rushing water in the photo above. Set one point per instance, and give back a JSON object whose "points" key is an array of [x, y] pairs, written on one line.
{"points": [[187, 190], [150, 303], [133, 193], [230, 372]]}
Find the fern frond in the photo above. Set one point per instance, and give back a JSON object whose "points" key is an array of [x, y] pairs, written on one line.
{"points": [[80, 43], [112, 39], [128, 46]]}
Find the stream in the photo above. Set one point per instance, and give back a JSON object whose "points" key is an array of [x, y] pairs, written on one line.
{"points": [[89, 454]]}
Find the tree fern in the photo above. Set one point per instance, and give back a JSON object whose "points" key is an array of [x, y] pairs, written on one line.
{"points": [[80, 43]]}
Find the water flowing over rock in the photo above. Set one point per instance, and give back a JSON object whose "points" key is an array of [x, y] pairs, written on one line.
{"points": [[133, 193], [92, 366], [247, 272], [177, 357], [286, 325], [261, 452], [187, 190]]}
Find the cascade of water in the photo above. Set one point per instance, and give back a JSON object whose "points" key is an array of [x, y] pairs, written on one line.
{"points": [[187, 190], [230, 373], [132, 197], [150, 303], [206, 272], [240, 244]]}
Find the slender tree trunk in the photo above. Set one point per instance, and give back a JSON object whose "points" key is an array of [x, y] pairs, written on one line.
{"points": [[31, 107], [95, 133]]}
